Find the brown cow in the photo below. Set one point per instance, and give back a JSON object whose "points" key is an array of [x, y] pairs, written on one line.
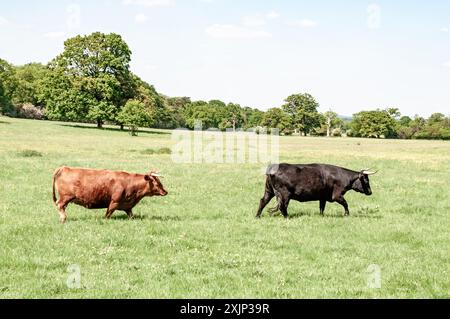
{"points": [[95, 189]]}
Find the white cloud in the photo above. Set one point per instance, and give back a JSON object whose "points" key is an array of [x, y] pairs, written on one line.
{"points": [[149, 3], [4, 22], [54, 34], [228, 31], [272, 15], [446, 64], [141, 18], [254, 20], [304, 23], [446, 30], [259, 19]]}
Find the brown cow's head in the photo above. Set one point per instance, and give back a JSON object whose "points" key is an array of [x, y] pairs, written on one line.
{"points": [[156, 188]]}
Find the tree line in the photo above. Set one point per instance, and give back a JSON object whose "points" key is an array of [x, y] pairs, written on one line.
{"points": [[91, 81]]}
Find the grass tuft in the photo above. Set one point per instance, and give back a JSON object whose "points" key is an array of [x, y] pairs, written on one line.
{"points": [[161, 151], [29, 153]]}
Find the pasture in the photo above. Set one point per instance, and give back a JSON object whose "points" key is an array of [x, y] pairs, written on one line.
{"points": [[202, 241]]}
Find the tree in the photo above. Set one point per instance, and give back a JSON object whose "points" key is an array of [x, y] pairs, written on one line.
{"points": [[176, 106], [330, 118], [28, 81], [404, 120], [134, 115], [252, 118], [373, 124], [393, 112], [230, 116], [201, 111], [94, 72], [278, 119], [7, 86], [154, 104], [436, 127], [302, 108]]}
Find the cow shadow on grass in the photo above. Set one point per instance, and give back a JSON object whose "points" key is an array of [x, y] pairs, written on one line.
{"points": [[124, 217], [295, 215], [112, 129], [147, 217]]}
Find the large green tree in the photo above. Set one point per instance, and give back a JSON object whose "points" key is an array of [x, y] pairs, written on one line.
{"points": [[93, 74], [302, 108], [378, 123], [278, 119]]}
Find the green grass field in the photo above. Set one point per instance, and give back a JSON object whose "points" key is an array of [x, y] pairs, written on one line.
{"points": [[202, 241]]}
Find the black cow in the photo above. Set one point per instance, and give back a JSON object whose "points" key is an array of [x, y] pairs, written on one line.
{"points": [[312, 182]]}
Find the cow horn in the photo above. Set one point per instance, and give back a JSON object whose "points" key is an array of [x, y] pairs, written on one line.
{"points": [[369, 172], [156, 174]]}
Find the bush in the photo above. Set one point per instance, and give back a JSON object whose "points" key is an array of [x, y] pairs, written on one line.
{"points": [[29, 111], [337, 132], [150, 151], [134, 115], [165, 150], [30, 153]]}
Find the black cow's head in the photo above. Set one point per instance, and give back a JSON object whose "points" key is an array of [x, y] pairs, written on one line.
{"points": [[361, 184]]}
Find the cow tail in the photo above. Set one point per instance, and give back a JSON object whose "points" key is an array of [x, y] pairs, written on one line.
{"points": [[269, 186], [55, 175]]}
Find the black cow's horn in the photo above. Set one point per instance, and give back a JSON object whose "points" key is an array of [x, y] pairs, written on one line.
{"points": [[368, 172]]}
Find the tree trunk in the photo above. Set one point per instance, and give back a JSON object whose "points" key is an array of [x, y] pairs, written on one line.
{"points": [[121, 127], [328, 127], [99, 124]]}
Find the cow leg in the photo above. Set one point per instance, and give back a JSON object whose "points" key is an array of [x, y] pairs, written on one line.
{"points": [[130, 214], [341, 200], [323, 203], [284, 203], [62, 205], [263, 203], [111, 209]]}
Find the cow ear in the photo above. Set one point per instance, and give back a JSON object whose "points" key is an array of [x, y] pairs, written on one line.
{"points": [[147, 178]]}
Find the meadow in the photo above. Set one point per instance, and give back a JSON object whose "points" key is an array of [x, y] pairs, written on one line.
{"points": [[202, 241]]}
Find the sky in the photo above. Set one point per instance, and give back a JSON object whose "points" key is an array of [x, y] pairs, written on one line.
{"points": [[350, 55]]}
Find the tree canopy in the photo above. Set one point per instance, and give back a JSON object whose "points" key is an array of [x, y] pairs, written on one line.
{"points": [[91, 81], [93, 74], [302, 108], [373, 124]]}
